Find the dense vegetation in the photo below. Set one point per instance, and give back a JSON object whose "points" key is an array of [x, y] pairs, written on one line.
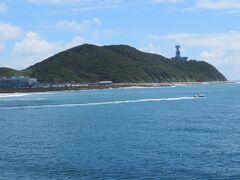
{"points": [[6, 72], [118, 63]]}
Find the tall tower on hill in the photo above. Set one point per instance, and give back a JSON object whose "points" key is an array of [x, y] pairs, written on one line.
{"points": [[178, 55]]}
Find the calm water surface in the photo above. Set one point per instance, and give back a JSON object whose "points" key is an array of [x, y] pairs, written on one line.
{"points": [[139, 133]]}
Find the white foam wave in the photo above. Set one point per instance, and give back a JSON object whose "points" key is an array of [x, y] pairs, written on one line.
{"points": [[132, 87], [96, 104], [12, 95], [145, 87], [8, 95]]}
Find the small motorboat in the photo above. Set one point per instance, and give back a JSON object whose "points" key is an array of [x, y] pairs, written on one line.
{"points": [[199, 95]]}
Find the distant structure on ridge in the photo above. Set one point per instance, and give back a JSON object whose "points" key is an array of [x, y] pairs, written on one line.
{"points": [[178, 55]]}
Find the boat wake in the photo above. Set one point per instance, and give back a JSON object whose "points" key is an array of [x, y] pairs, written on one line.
{"points": [[96, 103]]}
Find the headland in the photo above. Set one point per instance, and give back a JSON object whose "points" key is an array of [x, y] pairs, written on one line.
{"points": [[89, 67]]}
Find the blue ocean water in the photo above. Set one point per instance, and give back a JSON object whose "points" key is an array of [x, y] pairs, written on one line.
{"points": [[135, 133]]}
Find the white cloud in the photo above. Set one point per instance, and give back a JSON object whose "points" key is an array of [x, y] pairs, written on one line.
{"points": [[229, 40], [79, 5], [220, 49], [218, 4], [32, 49], [29, 48], [73, 25], [213, 55], [207, 4], [226, 61], [77, 26], [167, 1], [75, 1], [153, 48], [3, 7], [9, 32], [1, 47], [97, 21], [57, 1], [76, 41]]}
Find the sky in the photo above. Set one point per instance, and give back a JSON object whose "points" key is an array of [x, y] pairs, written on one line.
{"points": [[209, 30]]}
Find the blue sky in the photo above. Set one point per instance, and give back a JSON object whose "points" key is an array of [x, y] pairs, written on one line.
{"points": [[32, 30]]}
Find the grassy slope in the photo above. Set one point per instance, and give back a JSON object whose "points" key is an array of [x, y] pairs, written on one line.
{"points": [[6, 72]]}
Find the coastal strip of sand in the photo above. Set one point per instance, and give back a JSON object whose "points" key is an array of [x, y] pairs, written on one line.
{"points": [[113, 85]]}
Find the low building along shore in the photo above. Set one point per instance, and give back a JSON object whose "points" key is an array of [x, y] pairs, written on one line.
{"points": [[16, 82]]}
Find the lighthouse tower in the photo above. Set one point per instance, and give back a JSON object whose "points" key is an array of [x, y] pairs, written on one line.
{"points": [[178, 55]]}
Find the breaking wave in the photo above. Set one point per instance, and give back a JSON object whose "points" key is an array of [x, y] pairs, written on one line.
{"points": [[96, 103], [145, 87], [12, 95], [8, 95]]}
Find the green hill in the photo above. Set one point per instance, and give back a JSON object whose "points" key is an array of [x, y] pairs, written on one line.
{"points": [[118, 63], [6, 72]]}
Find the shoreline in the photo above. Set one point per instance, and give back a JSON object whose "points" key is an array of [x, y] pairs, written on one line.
{"points": [[112, 86]]}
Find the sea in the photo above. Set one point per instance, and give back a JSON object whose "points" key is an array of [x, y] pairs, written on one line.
{"points": [[125, 133]]}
